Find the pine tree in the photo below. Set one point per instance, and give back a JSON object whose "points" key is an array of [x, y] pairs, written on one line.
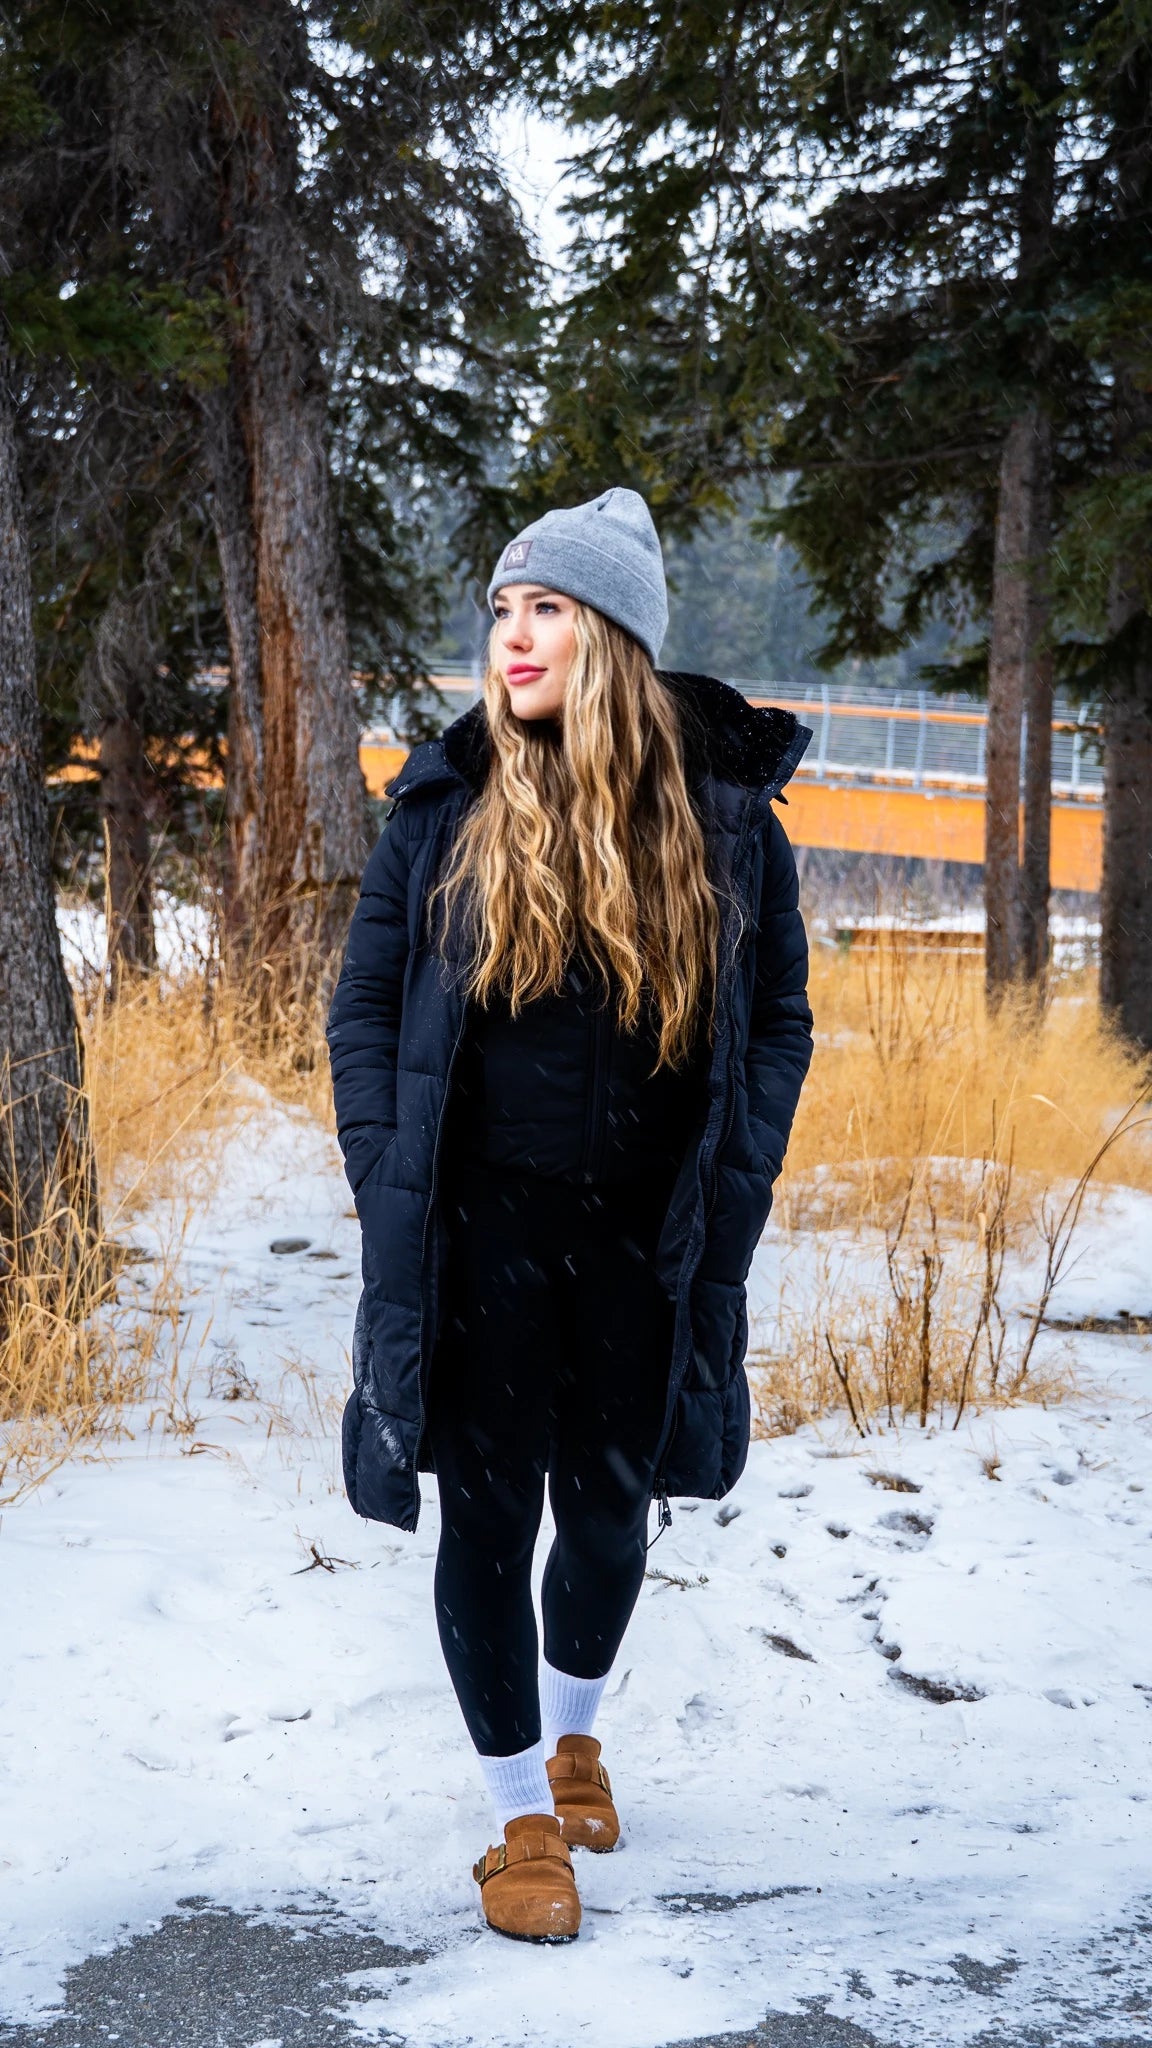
{"points": [[313, 181], [318, 169], [46, 1166], [841, 245], [48, 1195], [45, 1158], [1107, 547], [109, 436]]}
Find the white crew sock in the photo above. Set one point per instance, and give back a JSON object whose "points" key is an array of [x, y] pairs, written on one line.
{"points": [[518, 1784], [567, 1705]]}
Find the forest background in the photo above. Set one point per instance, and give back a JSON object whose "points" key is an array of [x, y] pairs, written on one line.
{"points": [[860, 298]]}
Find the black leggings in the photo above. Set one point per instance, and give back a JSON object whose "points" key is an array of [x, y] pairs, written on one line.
{"points": [[553, 1363]]}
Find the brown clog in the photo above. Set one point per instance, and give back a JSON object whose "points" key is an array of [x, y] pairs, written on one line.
{"points": [[582, 1794], [526, 1885]]}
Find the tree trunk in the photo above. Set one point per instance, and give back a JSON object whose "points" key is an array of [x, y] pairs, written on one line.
{"points": [[244, 777], [1126, 883], [127, 850], [1006, 680], [1036, 853], [1016, 881], [44, 1148], [1126, 887], [297, 800], [118, 680], [312, 844], [1019, 680]]}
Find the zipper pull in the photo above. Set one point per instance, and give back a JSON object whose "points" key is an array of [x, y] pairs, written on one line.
{"points": [[664, 1518]]}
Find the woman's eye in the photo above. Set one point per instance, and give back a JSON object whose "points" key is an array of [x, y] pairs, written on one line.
{"points": [[546, 605]]}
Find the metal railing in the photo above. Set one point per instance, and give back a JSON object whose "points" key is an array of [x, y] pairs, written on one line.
{"points": [[911, 739], [919, 739]]}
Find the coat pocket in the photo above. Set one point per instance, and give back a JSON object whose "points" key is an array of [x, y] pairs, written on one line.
{"points": [[375, 1197], [720, 1333], [376, 1175], [739, 1347], [736, 1431]]}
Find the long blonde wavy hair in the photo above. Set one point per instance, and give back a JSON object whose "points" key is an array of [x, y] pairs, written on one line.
{"points": [[584, 837]]}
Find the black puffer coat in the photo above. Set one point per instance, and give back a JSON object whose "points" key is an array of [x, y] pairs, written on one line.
{"points": [[396, 1023]]}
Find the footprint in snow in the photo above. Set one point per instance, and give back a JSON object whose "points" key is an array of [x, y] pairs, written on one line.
{"points": [[785, 1647], [941, 1691], [698, 1712], [911, 1523], [893, 1482]]}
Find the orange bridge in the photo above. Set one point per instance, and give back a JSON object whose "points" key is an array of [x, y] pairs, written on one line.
{"points": [[893, 772]]}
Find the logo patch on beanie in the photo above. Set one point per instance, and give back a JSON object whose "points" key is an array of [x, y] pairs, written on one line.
{"points": [[516, 556]]}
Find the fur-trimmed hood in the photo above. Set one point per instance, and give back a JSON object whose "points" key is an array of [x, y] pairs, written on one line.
{"points": [[725, 737]]}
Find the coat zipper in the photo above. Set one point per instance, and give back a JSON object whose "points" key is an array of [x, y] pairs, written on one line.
{"points": [[428, 1273]]}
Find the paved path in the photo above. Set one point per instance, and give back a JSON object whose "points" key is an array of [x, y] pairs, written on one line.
{"points": [[209, 1977]]}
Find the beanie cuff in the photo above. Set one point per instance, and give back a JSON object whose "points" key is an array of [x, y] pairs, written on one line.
{"points": [[602, 559], [575, 568]]}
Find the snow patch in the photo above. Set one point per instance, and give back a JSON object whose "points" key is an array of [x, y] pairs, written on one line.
{"points": [[901, 1768]]}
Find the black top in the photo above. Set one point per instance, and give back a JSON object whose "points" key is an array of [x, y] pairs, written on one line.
{"points": [[561, 1091]]}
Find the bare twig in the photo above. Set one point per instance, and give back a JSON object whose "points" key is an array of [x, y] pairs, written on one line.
{"points": [[323, 1563], [1059, 1229], [992, 1221], [841, 1373]]}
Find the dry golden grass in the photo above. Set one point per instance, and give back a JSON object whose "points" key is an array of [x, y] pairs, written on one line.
{"points": [[83, 1335], [928, 1138], [89, 1326], [158, 1084], [933, 1138], [908, 1324], [280, 1044], [910, 1066], [170, 1064]]}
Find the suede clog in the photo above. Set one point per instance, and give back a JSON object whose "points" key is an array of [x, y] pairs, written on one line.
{"points": [[527, 1889], [582, 1794]]}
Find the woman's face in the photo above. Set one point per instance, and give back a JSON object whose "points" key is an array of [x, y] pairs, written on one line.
{"points": [[533, 646]]}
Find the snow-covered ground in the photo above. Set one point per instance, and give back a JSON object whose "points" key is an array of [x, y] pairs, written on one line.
{"points": [[881, 1747], [1075, 939], [184, 937]]}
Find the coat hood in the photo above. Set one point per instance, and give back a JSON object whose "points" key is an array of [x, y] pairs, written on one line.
{"points": [[725, 737]]}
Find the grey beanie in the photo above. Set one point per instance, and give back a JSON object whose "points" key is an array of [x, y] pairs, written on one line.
{"points": [[606, 554]]}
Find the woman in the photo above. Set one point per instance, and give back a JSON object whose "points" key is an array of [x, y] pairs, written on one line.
{"points": [[567, 1046]]}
